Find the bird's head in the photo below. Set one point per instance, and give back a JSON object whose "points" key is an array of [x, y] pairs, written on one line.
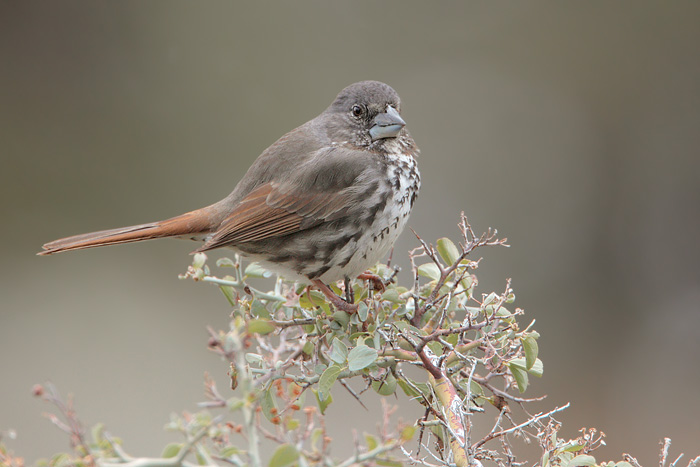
{"points": [[365, 115]]}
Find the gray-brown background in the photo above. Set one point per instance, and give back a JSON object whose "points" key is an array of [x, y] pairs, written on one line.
{"points": [[573, 127]]}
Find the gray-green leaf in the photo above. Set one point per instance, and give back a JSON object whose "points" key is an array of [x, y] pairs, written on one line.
{"points": [[325, 383], [362, 311], [531, 349], [429, 270], [385, 387], [339, 351], [537, 368], [323, 404], [582, 460], [260, 326], [255, 270], [448, 251], [284, 456], [361, 357], [225, 263], [267, 403], [520, 376], [171, 450]]}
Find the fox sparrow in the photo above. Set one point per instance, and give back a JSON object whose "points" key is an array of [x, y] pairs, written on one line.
{"points": [[323, 203]]}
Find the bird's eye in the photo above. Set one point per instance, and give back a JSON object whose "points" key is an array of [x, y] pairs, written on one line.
{"points": [[357, 111]]}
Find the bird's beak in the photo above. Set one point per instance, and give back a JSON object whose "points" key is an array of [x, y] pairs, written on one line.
{"points": [[387, 124]]}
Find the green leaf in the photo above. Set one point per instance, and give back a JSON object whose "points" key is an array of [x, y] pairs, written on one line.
{"points": [[292, 424], [171, 450], [404, 326], [536, 370], [284, 456], [229, 451], [325, 383], [253, 358], [257, 309], [225, 263], [97, 432], [371, 441], [312, 299], [322, 403], [358, 337], [308, 348], [429, 270], [316, 435], [362, 311], [531, 349], [386, 387], [267, 404], [436, 347], [230, 294], [582, 460], [361, 357], [452, 339], [339, 351], [260, 326], [520, 376], [199, 260], [255, 270], [235, 403], [342, 318], [575, 447], [448, 251], [490, 299], [475, 389], [408, 432], [391, 295], [408, 389], [420, 388], [468, 284]]}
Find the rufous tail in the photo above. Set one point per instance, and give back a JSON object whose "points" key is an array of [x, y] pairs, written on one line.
{"points": [[193, 224]]}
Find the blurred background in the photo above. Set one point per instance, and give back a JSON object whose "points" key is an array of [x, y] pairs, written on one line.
{"points": [[572, 127]]}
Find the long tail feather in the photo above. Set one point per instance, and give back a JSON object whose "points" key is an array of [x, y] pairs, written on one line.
{"points": [[193, 223]]}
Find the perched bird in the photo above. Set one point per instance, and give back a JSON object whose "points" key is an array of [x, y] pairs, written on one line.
{"points": [[323, 203]]}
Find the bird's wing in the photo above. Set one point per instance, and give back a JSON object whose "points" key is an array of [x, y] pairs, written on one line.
{"points": [[318, 192]]}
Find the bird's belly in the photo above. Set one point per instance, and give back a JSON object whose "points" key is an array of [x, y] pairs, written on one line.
{"points": [[350, 260], [373, 245]]}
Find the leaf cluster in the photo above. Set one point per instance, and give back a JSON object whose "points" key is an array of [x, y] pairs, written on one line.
{"points": [[463, 357]]}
